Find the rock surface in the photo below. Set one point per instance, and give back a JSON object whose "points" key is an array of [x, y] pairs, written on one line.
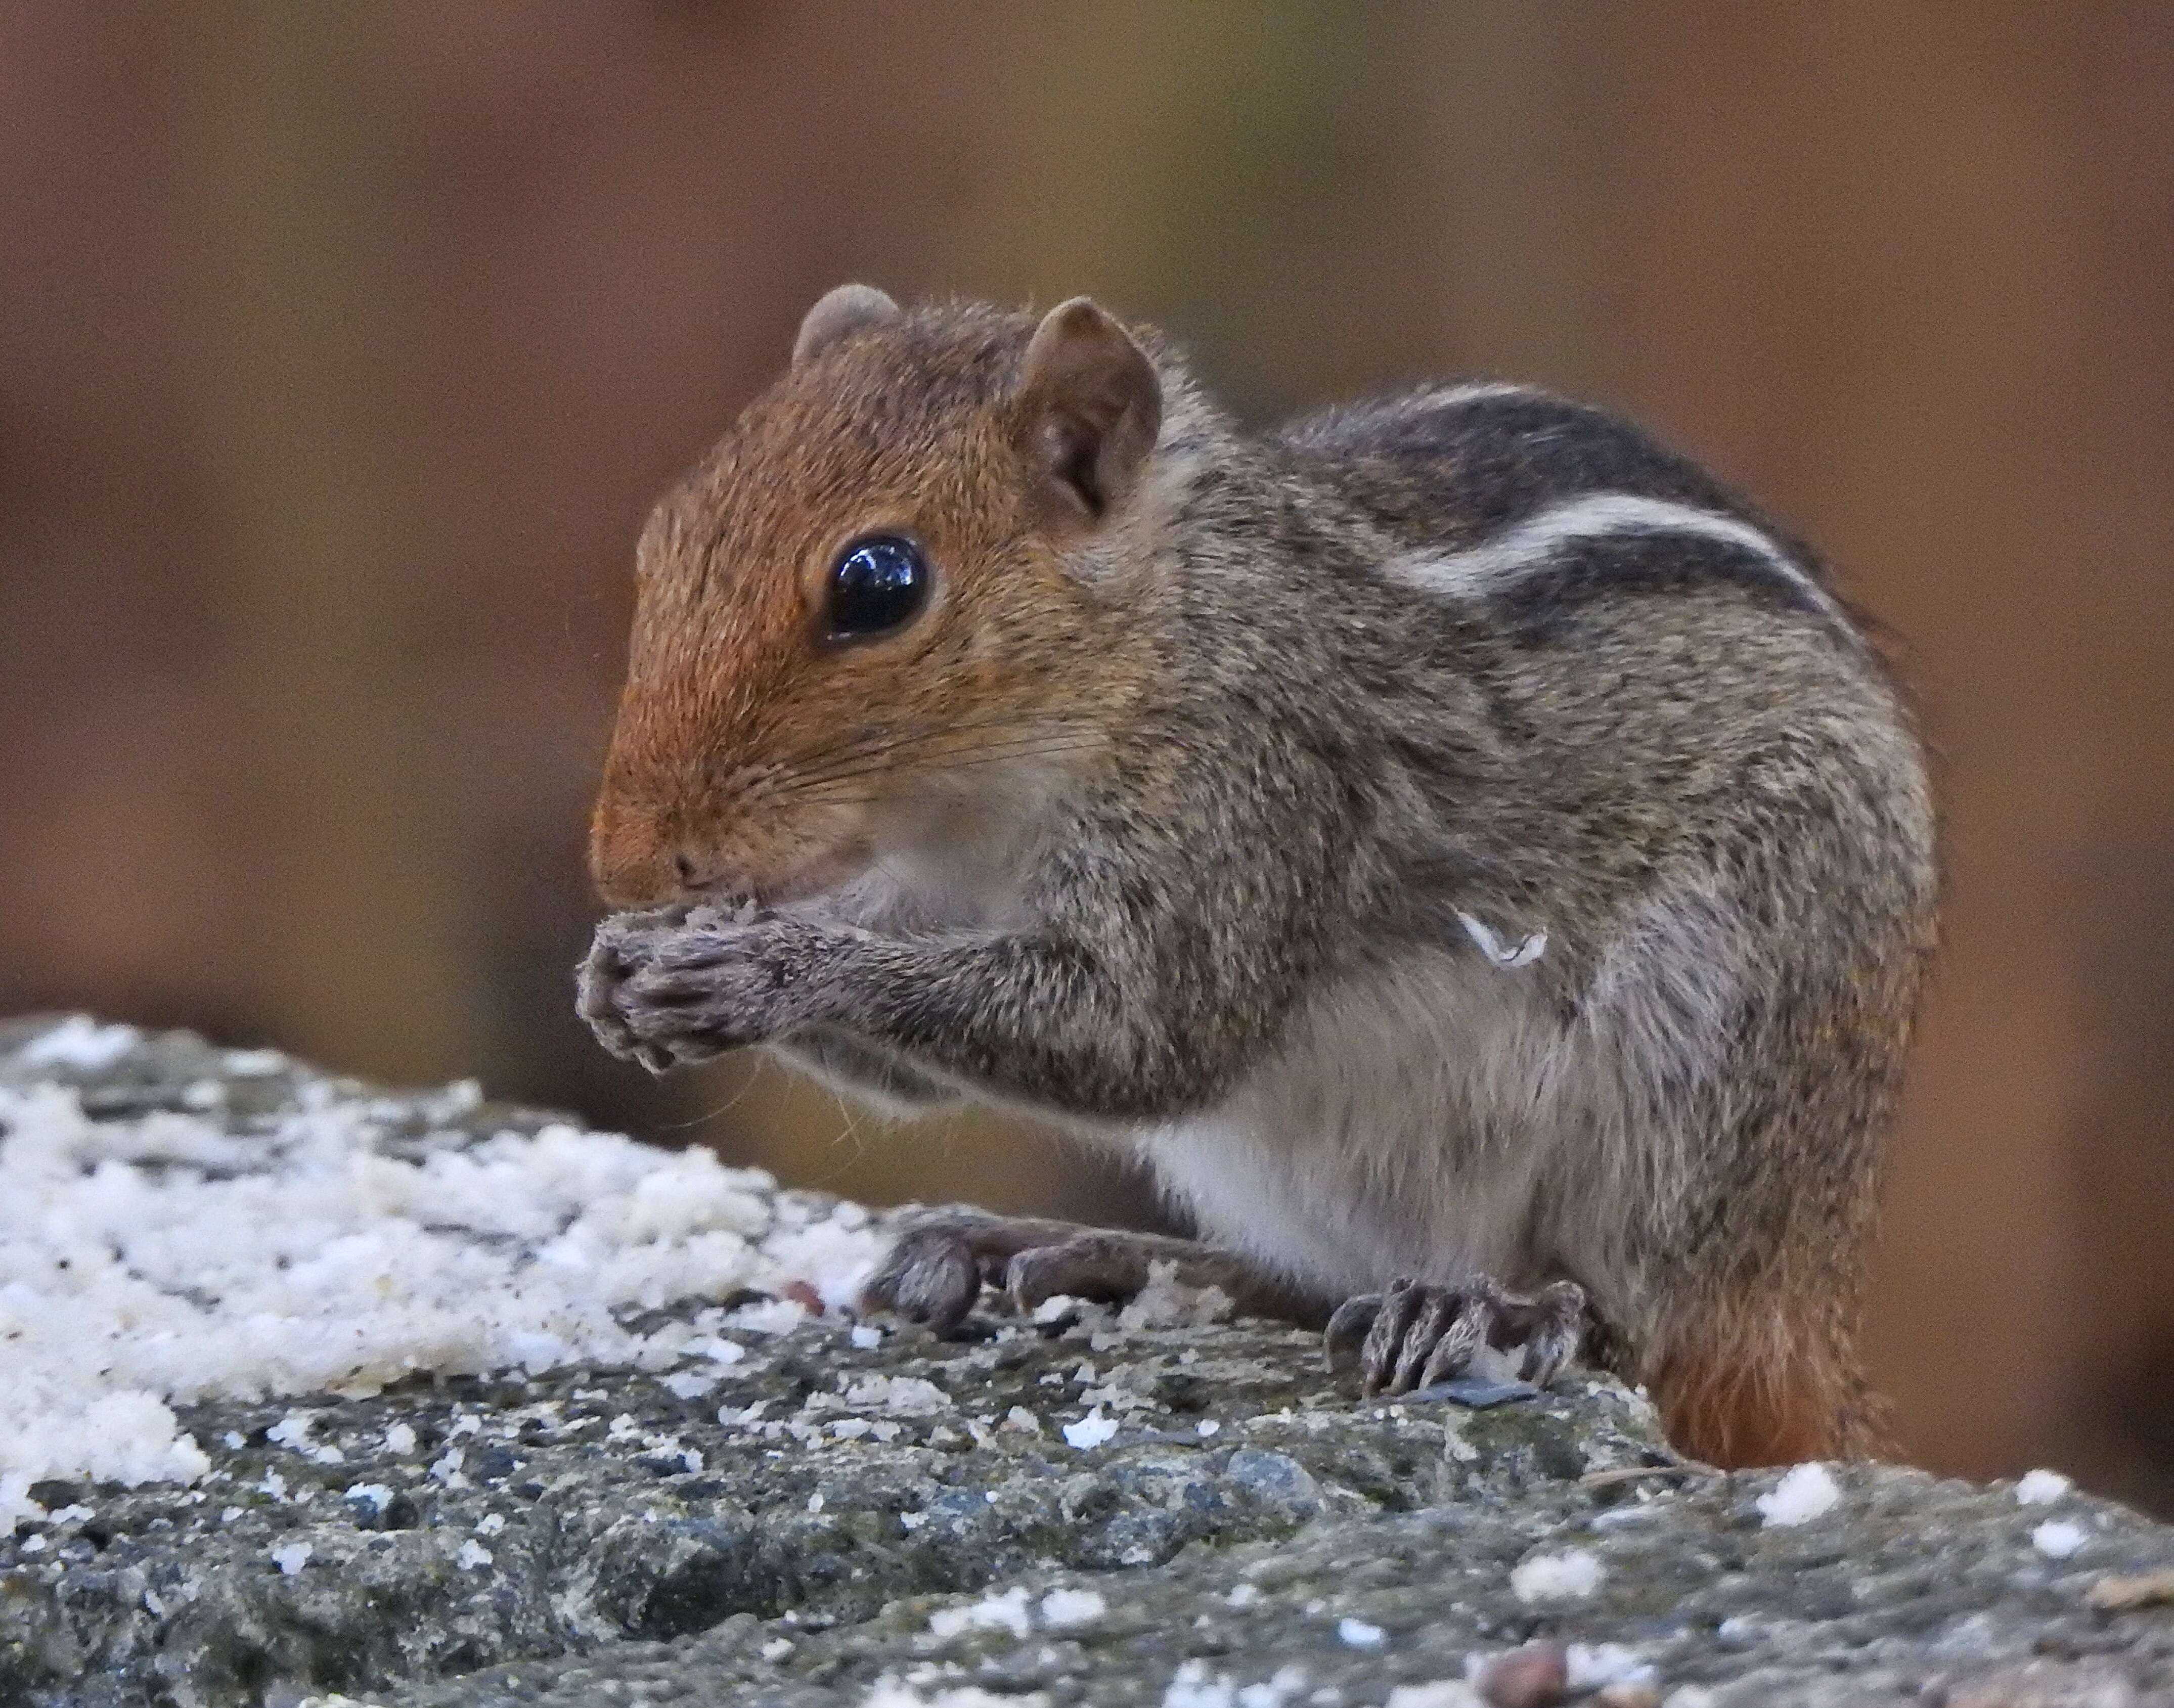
{"points": [[1085, 1511]]}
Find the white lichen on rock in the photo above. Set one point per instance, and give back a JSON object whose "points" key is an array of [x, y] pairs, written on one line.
{"points": [[162, 1259], [2041, 1488], [1805, 1492], [1565, 1577]]}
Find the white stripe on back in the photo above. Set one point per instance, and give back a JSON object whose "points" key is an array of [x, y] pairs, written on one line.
{"points": [[1534, 542], [1476, 392]]}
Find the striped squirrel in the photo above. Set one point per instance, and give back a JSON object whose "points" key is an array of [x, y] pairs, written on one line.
{"points": [[1476, 863]]}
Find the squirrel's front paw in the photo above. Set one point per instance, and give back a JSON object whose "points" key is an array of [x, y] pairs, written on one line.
{"points": [[681, 985], [941, 1258], [602, 976]]}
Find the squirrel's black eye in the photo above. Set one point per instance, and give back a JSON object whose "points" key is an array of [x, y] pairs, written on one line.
{"points": [[878, 584]]}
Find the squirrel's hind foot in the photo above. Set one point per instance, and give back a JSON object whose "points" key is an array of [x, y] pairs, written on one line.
{"points": [[942, 1257], [1418, 1333]]}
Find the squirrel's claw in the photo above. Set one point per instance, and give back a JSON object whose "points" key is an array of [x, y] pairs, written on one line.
{"points": [[596, 983], [1347, 1327], [1418, 1333], [1094, 1264], [1560, 1316], [930, 1275]]}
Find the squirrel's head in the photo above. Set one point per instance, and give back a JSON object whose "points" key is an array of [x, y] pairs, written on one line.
{"points": [[889, 601]]}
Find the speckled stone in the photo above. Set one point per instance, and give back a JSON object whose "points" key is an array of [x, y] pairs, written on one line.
{"points": [[591, 1535]]}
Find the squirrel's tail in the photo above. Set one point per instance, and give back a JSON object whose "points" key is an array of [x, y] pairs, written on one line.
{"points": [[1764, 1389]]}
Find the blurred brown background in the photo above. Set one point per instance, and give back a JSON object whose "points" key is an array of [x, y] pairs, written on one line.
{"points": [[345, 348]]}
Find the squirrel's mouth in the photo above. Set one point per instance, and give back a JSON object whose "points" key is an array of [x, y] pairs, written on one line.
{"points": [[813, 875]]}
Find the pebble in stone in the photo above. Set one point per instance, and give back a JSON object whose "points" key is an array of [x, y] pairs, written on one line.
{"points": [[1535, 1676]]}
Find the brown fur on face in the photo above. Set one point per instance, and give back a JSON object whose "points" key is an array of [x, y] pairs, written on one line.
{"points": [[754, 756]]}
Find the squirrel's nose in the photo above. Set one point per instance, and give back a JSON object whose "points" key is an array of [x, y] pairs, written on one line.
{"points": [[636, 862]]}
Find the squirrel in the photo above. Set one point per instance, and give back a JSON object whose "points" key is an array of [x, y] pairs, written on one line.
{"points": [[1478, 865]]}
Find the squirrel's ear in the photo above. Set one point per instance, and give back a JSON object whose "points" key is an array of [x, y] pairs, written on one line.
{"points": [[1091, 407], [836, 312]]}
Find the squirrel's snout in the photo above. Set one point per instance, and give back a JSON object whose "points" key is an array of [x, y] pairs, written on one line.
{"points": [[635, 861]]}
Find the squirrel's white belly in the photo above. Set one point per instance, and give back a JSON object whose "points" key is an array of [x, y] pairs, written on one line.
{"points": [[1402, 1130]]}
